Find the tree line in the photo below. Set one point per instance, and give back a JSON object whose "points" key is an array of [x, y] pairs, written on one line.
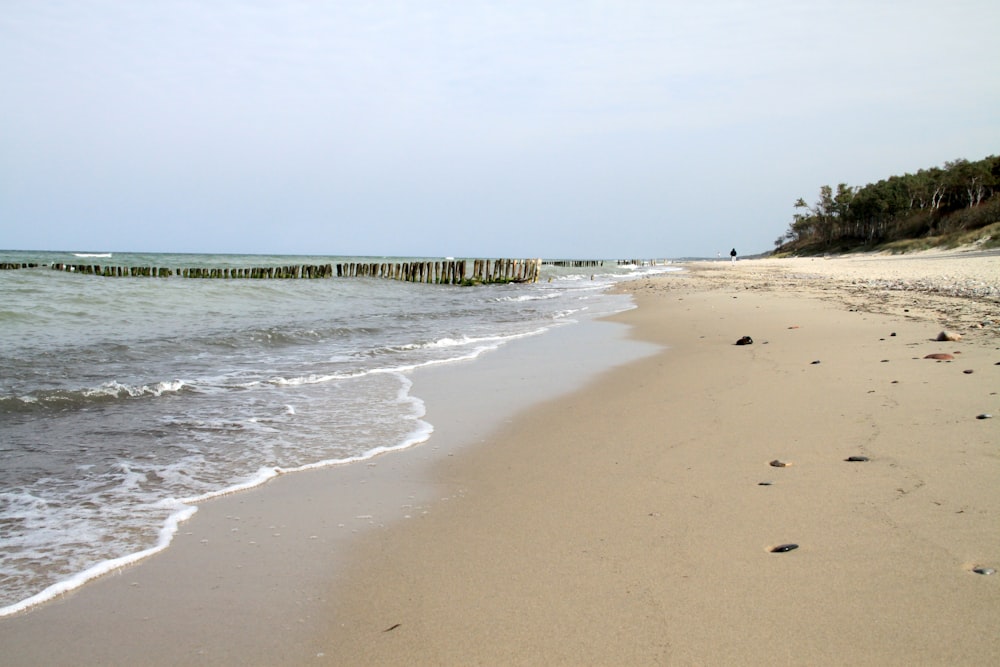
{"points": [[936, 202]]}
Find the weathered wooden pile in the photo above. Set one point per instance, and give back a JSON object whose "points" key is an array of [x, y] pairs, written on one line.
{"points": [[10, 266], [450, 272]]}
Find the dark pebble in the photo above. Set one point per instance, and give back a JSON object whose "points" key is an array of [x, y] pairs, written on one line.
{"points": [[856, 459], [782, 548], [778, 464], [968, 371], [763, 483], [984, 570], [985, 415], [816, 362], [893, 333], [746, 340]]}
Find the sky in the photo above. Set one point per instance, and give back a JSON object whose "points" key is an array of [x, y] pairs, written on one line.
{"points": [[557, 129]]}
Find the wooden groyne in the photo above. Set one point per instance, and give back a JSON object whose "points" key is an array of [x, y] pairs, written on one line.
{"points": [[11, 266], [600, 262], [446, 272], [574, 262]]}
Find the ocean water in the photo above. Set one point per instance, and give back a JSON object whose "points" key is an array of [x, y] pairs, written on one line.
{"points": [[124, 402]]}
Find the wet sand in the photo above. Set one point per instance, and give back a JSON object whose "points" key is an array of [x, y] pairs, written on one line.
{"points": [[626, 522]]}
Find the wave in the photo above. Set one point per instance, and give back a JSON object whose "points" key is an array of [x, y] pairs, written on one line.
{"points": [[107, 392], [530, 297], [92, 254], [165, 536], [482, 344], [182, 509]]}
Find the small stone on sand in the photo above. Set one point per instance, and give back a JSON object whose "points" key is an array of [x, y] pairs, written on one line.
{"points": [[746, 340], [949, 335], [782, 548], [779, 464], [985, 415], [856, 459], [940, 356], [984, 570]]}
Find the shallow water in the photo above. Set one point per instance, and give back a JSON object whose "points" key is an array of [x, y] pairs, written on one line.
{"points": [[125, 401]]}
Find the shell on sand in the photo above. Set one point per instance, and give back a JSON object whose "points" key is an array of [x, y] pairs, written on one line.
{"points": [[942, 356], [949, 335]]}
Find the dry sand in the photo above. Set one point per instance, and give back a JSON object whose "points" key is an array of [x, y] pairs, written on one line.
{"points": [[626, 523]]}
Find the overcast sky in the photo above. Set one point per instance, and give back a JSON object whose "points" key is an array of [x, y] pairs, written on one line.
{"points": [[469, 128]]}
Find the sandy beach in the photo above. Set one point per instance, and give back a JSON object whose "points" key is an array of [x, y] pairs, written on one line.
{"points": [[631, 520]]}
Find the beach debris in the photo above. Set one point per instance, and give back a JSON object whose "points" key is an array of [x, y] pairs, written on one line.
{"points": [[857, 459], [985, 415], [984, 570], [746, 340], [392, 627], [949, 336], [940, 356], [783, 548], [779, 464], [764, 483], [794, 326], [815, 362]]}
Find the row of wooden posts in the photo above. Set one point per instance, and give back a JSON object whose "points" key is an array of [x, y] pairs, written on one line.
{"points": [[598, 262], [451, 272], [574, 262]]}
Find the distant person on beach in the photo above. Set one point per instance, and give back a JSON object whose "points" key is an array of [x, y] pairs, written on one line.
{"points": [[732, 255]]}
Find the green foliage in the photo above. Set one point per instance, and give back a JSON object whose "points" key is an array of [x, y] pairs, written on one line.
{"points": [[932, 207]]}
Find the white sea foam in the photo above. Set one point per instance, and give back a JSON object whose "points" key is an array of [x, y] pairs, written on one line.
{"points": [[166, 534], [521, 298], [114, 388], [92, 254]]}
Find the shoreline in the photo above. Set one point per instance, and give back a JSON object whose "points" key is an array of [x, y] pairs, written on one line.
{"points": [[255, 560], [622, 522]]}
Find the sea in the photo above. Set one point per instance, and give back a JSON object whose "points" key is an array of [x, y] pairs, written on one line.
{"points": [[127, 401]]}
